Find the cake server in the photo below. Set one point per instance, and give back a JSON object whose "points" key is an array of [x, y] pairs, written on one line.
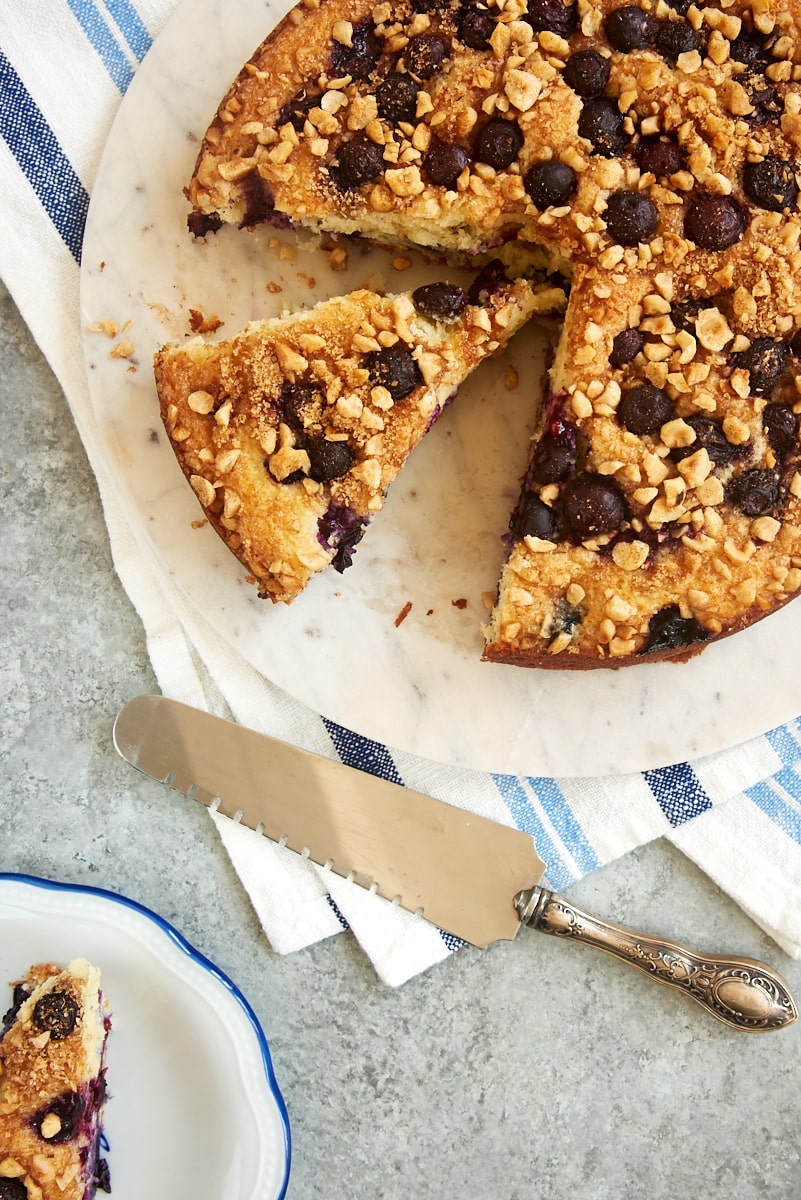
{"points": [[470, 876]]}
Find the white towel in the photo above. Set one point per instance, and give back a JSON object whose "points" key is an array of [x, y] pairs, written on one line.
{"points": [[64, 68]]}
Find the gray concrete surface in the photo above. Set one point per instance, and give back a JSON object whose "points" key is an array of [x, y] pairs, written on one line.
{"points": [[530, 1071]]}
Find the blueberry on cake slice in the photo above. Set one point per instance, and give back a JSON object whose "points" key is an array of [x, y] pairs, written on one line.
{"points": [[291, 432], [52, 1085]]}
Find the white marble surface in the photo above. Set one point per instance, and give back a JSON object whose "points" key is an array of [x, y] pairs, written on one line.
{"points": [[438, 538], [534, 1070]]}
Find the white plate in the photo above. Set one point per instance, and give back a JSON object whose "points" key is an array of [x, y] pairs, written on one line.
{"points": [[194, 1109], [421, 686]]}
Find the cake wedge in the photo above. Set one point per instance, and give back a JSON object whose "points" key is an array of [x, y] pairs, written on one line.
{"points": [[291, 432]]}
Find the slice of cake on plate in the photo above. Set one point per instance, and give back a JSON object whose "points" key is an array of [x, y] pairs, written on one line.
{"points": [[52, 1085], [291, 432]]}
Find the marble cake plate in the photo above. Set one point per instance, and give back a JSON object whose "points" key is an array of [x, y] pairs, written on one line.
{"points": [[194, 1108], [417, 686]]}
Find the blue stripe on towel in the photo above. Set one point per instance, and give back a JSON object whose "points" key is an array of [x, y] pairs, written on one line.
{"points": [[678, 792], [131, 26], [332, 904], [362, 753], [45, 165], [564, 822], [786, 816], [785, 741], [367, 755], [108, 49], [525, 818]]}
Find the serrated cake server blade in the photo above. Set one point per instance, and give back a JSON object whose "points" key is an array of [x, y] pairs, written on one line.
{"points": [[470, 876]]}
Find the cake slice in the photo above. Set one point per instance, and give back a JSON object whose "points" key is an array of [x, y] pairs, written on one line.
{"points": [[52, 1085], [291, 432]]}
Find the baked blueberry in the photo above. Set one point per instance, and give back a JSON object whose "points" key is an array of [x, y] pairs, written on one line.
{"points": [[328, 460], [587, 72], [475, 28], [489, 279], [631, 28], [359, 161], [440, 301], [768, 105], [601, 123], [396, 98], [291, 402], [660, 156], [550, 183], [764, 360], [360, 58], [755, 491], [102, 1175], [592, 505], [677, 37], [18, 997], [340, 529], [534, 518], [771, 184], [684, 313], [625, 347], [425, 54], [259, 200], [12, 1189], [394, 368], [709, 435], [499, 143], [69, 1110], [669, 630], [57, 1014], [200, 224], [781, 426], [714, 222], [556, 456], [644, 408], [444, 163], [631, 218], [750, 50], [553, 16], [296, 111]]}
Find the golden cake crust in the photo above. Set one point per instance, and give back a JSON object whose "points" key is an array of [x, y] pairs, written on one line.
{"points": [[655, 163]]}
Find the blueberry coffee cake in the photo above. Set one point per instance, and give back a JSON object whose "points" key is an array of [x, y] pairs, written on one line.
{"points": [[291, 432], [52, 1085], [649, 154]]}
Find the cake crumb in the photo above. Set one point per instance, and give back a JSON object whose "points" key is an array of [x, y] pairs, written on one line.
{"points": [[403, 614], [199, 322]]}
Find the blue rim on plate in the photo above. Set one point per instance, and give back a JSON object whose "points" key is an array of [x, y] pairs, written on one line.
{"points": [[179, 941]]}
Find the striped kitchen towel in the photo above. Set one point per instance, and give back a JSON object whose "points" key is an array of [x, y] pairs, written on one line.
{"points": [[65, 66]]}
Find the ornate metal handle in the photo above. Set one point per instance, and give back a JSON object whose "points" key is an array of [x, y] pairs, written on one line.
{"points": [[742, 992]]}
